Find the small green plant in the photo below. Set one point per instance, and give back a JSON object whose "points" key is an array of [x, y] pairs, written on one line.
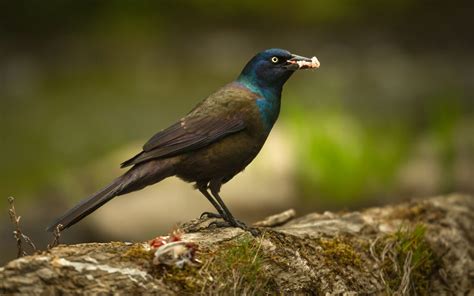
{"points": [[406, 261], [238, 269], [235, 269]]}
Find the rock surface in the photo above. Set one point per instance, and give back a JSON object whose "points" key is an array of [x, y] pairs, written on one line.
{"points": [[423, 247]]}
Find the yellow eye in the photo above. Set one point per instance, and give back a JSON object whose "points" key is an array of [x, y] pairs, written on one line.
{"points": [[274, 60]]}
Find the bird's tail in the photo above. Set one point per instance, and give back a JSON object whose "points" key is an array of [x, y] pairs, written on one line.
{"points": [[136, 178]]}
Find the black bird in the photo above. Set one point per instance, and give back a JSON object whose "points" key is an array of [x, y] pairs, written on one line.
{"points": [[213, 142]]}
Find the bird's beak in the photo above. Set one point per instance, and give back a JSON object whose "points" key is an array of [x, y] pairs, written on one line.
{"points": [[298, 62]]}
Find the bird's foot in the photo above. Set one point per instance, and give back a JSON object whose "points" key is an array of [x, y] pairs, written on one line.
{"points": [[235, 223], [210, 215]]}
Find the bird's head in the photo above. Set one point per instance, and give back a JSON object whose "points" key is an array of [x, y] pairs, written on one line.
{"points": [[271, 68]]}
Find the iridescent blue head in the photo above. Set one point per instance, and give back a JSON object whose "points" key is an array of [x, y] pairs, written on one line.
{"points": [[265, 75], [271, 68]]}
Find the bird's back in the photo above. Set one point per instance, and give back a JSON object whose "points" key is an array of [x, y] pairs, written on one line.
{"points": [[230, 154]]}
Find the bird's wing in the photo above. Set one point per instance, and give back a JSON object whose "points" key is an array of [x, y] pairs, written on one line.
{"points": [[186, 135]]}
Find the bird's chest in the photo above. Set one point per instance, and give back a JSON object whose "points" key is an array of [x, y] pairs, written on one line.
{"points": [[264, 106], [268, 111], [221, 160]]}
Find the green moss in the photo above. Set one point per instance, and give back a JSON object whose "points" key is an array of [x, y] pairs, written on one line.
{"points": [[137, 251], [339, 251], [408, 261], [185, 280], [236, 267]]}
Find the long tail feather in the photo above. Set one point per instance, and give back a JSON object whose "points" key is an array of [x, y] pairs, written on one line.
{"points": [[136, 178], [87, 206]]}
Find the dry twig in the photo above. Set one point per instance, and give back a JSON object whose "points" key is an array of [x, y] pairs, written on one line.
{"points": [[277, 219], [56, 236], [17, 233]]}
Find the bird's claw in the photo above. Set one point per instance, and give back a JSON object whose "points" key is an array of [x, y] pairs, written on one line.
{"points": [[222, 224], [210, 215], [235, 223]]}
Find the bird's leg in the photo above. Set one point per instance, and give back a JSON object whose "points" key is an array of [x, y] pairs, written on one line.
{"points": [[221, 214], [230, 220], [229, 217], [215, 188]]}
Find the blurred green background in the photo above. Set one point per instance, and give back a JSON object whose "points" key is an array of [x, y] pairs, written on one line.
{"points": [[387, 117]]}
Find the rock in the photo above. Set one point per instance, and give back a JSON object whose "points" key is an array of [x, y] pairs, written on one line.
{"points": [[423, 247]]}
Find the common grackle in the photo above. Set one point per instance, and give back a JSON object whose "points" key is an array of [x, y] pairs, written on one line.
{"points": [[213, 142]]}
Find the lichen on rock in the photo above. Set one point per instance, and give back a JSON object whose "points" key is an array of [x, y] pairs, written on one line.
{"points": [[423, 247]]}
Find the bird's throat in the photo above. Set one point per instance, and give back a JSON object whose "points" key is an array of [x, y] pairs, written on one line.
{"points": [[268, 101], [269, 110]]}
